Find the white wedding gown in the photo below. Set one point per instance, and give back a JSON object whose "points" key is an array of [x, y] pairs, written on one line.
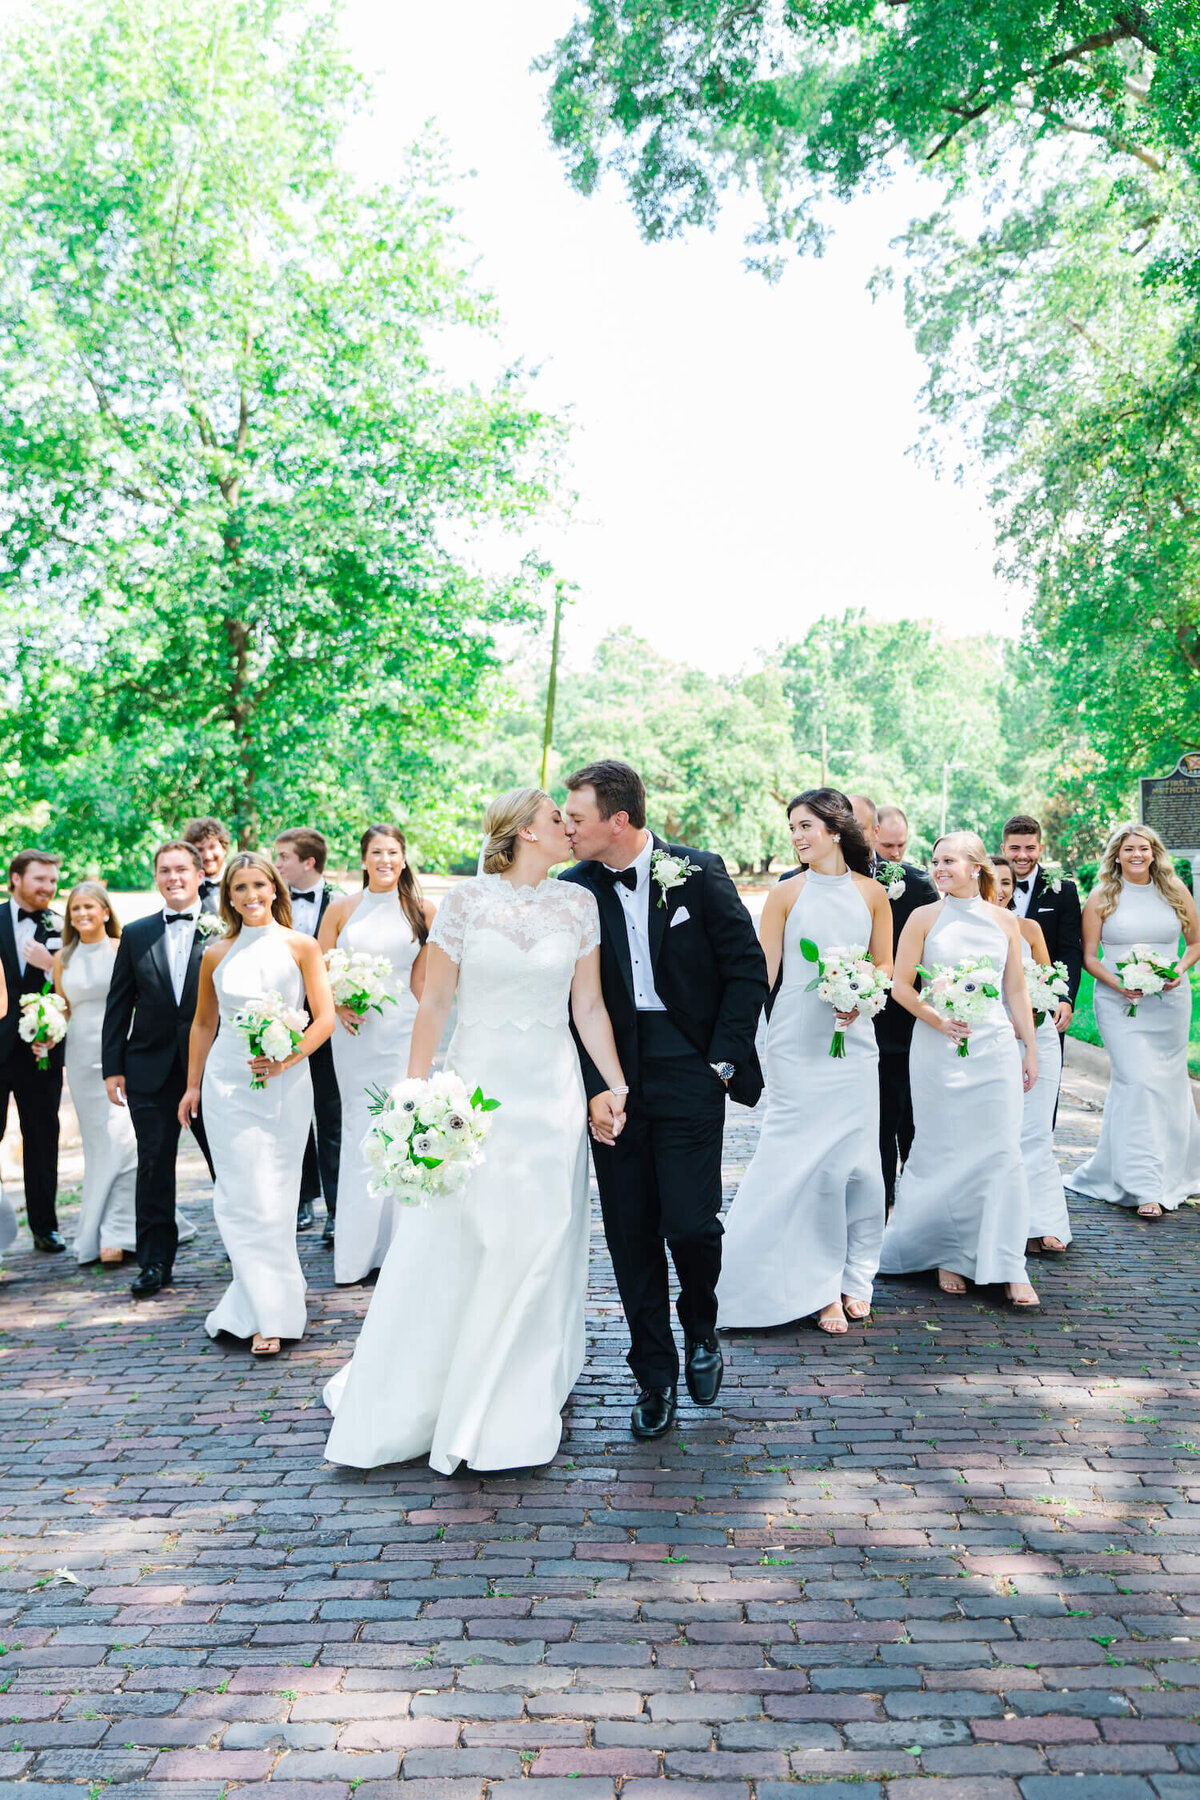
{"points": [[256, 1137], [475, 1333], [962, 1201], [106, 1211], [1149, 1147], [807, 1223], [377, 1056], [1048, 1215]]}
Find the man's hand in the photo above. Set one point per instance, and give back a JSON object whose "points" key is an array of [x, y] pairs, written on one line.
{"points": [[607, 1114], [38, 956], [114, 1087], [1064, 1012]]}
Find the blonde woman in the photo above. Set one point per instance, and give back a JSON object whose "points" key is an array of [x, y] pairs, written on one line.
{"points": [[256, 1134], [475, 1333], [1148, 1156], [83, 970], [962, 1201]]}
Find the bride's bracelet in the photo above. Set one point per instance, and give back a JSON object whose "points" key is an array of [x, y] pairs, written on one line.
{"points": [[617, 1088]]}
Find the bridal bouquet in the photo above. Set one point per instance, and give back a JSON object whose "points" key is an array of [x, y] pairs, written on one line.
{"points": [[963, 991], [270, 1028], [1048, 988], [1143, 971], [43, 1021], [426, 1136], [359, 980], [846, 978]]}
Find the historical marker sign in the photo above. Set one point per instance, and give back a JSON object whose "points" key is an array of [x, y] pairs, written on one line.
{"points": [[1171, 804]]}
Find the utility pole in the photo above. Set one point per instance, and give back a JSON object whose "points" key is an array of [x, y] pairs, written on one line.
{"points": [[560, 600], [824, 754]]}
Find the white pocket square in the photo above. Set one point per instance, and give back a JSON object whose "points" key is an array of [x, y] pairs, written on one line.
{"points": [[678, 917]]}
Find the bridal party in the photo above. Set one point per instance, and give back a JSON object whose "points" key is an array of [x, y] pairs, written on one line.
{"points": [[447, 1078]]}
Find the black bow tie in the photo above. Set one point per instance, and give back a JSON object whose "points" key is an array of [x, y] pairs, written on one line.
{"points": [[176, 918], [209, 887], [312, 894], [627, 878], [1024, 886], [25, 912]]}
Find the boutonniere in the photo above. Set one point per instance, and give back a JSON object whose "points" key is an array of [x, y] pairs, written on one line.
{"points": [[670, 872], [1053, 876], [891, 874], [210, 925]]}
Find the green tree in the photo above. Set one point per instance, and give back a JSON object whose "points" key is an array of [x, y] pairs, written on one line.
{"points": [[239, 492]]}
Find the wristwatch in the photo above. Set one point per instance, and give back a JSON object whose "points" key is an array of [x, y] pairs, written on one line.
{"points": [[723, 1070]]}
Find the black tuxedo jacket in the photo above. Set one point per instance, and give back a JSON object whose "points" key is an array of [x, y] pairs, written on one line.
{"points": [[49, 930], [210, 896], [709, 971], [1061, 919], [144, 1030]]}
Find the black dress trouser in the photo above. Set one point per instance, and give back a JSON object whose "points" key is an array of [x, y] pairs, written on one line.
{"points": [[323, 1152], [37, 1093], [155, 1116], [895, 1117], [660, 1189]]}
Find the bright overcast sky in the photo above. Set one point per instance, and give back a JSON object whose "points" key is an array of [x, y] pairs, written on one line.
{"points": [[740, 451]]}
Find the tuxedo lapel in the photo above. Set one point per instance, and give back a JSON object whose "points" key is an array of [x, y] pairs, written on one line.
{"points": [[659, 915], [8, 954], [191, 978], [159, 959], [612, 916]]}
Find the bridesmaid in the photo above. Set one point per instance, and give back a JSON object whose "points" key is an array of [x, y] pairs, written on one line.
{"points": [[804, 1232], [1049, 1223], [1148, 1156], [83, 970], [962, 1202], [256, 1135], [388, 918]]}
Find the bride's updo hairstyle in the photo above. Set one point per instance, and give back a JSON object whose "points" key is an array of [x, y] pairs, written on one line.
{"points": [[281, 905], [503, 820], [970, 845], [834, 810]]}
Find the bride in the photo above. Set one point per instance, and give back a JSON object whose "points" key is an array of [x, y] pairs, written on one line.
{"points": [[475, 1333]]}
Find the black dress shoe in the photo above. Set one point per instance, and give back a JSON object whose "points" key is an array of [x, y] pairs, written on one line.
{"points": [[653, 1411], [304, 1216], [52, 1243], [704, 1368], [153, 1277], [327, 1234]]}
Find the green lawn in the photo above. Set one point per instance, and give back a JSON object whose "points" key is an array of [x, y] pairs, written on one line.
{"points": [[1083, 1025]]}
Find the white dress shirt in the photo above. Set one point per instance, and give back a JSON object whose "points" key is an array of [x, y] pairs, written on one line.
{"points": [[636, 905], [1021, 900], [179, 945], [306, 914], [24, 930]]}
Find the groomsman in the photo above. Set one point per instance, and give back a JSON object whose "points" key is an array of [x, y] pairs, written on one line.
{"points": [[212, 841], [29, 935], [891, 834], [1053, 902], [684, 980], [300, 856], [144, 1049], [894, 1026]]}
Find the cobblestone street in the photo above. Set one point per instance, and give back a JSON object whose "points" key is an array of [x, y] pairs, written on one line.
{"points": [[951, 1557]]}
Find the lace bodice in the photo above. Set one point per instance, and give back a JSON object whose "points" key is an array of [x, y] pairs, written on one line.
{"points": [[516, 948]]}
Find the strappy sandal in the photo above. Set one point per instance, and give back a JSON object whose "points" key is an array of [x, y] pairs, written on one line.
{"points": [[1033, 1305], [1151, 1210], [264, 1346], [944, 1279], [1045, 1246], [833, 1326], [112, 1257], [849, 1306]]}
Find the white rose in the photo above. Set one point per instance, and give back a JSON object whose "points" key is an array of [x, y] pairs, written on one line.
{"points": [[277, 1041]]}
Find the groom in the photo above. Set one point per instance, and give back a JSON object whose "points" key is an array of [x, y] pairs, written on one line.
{"points": [[684, 980]]}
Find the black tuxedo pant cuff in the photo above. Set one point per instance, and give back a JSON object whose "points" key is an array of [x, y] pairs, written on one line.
{"points": [[895, 1117], [660, 1191], [322, 1153], [38, 1094]]}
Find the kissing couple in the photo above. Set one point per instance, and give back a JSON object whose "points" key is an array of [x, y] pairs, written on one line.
{"points": [[623, 997]]}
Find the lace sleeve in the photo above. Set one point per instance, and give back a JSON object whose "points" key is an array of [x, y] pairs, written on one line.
{"points": [[589, 923], [449, 928]]}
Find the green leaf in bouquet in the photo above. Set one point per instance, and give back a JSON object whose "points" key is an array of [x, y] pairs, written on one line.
{"points": [[814, 983], [488, 1105], [429, 1162], [809, 950]]}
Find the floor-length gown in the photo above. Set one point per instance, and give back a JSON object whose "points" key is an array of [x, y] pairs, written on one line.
{"points": [[257, 1138], [475, 1333], [807, 1223], [106, 1211], [962, 1201], [1048, 1215], [376, 1056], [1149, 1148]]}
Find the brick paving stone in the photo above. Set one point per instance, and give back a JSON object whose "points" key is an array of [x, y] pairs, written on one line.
{"points": [[954, 1556]]}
